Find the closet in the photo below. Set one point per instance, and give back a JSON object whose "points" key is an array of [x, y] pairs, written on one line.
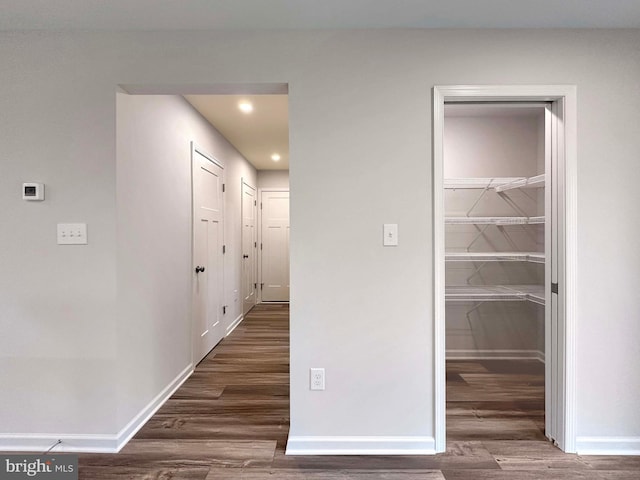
{"points": [[505, 262], [494, 168], [495, 225]]}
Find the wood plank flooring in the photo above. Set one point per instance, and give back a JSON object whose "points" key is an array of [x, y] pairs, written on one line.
{"points": [[230, 421]]}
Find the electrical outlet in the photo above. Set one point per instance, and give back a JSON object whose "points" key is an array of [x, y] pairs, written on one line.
{"points": [[316, 380]]}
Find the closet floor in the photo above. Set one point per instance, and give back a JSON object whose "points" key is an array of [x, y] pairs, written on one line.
{"points": [[495, 400]]}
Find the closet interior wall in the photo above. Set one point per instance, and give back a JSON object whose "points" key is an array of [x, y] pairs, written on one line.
{"points": [[490, 144]]}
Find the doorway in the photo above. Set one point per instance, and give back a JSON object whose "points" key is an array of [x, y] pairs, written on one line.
{"points": [[181, 313], [559, 221]]}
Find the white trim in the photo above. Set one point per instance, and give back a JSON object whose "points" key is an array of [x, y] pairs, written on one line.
{"points": [[504, 93], [439, 331], [92, 443], [41, 442], [608, 445], [459, 354], [549, 405], [197, 148], [570, 256], [234, 324], [564, 95], [360, 445], [152, 407], [206, 89]]}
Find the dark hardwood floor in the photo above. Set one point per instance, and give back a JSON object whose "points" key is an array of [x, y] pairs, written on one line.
{"points": [[230, 420]]}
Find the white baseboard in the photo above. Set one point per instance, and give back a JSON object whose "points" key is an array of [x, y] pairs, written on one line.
{"points": [[608, 445], [302, 445], [90, 443], [495, 355], [234, 324], [152, 407], [41, 442]]}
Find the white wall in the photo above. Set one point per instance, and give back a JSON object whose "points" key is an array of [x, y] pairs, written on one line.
{"points": [[506, 144], [360, 123], [273, 178]]}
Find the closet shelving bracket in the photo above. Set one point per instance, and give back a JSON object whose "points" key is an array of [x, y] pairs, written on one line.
{"points": [[499, 184], [532, 182], [532, 257], [497, 293], [494, 220]]}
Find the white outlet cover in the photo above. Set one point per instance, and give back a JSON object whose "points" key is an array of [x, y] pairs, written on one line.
{"points": [[316, 378], [72, 234]]}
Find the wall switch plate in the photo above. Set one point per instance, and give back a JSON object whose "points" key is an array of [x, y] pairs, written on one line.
{"points": [[316, 379], [390, 234], [72, 234]]}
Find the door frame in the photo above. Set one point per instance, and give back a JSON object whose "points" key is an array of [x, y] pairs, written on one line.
{"points": [[243, 182], [260, 191], [564, 152], [195, 148]]}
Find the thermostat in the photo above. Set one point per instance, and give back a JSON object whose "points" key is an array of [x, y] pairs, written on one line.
{"points": [[33, 191]]}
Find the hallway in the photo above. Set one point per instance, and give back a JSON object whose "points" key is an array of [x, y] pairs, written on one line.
{"points": [[230, 420]]}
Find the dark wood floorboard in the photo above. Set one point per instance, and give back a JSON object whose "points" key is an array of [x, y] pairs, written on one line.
{"points": [[351, 474], [143, 473], [230, 421]]}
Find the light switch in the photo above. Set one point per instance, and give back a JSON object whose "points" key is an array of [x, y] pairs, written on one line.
{"points": [[72, 234], [390, 234]]}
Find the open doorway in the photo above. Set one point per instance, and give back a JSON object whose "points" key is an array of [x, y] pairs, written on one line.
{"points": [[504, 200], [495, 160], [185, 275]]}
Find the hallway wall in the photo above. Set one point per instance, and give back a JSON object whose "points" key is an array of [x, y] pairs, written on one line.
{"points": [[273, 179]]}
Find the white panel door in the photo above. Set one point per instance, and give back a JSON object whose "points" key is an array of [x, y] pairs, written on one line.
{"points": [[207, 254], [249, 248], [275, 247]]}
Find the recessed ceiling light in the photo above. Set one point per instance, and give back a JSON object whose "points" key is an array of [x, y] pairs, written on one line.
{"points": [[275, 157], [245, 106]]}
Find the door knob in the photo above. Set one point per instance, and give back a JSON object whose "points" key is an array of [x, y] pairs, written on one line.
{"points": [[245, 256], [199, 269]]}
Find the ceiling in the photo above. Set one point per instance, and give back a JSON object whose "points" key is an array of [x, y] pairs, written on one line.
{"points": [[257, 135], [315, 14]]}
